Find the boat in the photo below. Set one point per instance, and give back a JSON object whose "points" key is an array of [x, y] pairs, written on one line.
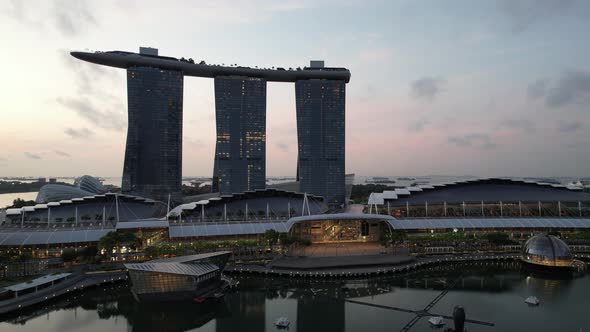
{"points": [[436, 321], [532, 300], [282, 323]]}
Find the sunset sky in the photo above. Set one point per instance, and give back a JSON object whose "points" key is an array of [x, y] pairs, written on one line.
{"points": [[486, 88]]}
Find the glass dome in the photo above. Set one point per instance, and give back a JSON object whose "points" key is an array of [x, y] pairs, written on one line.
{"points": [[546, 250]]}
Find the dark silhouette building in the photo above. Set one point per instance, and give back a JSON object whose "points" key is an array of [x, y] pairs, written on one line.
{"points": [[321, 138], [240, 151], [153, 153], [154, 143]]}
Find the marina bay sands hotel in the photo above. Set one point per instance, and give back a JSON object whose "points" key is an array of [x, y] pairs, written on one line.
{"points": [[153, 153]]}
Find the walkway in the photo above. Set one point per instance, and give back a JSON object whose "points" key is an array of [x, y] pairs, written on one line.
{"points": [[353, 272], [77, 283]]}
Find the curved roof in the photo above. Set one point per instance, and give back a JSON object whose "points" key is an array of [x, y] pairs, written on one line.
{"points": [[58, 192], [487, 190], [546, 245], [86, 198], [122, 59], [547, 250], [90, 184], [226, 199]]}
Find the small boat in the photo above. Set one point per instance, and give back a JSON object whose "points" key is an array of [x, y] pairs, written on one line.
{"points": [[282, 323], [532, 300], [436, 321], [199, 299]]}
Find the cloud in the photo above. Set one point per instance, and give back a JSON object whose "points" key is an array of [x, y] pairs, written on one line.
{"points": [[89, 75], [522, 14], [572, 87], [537, 89], [106, 119], [479, 140], [569, 127], [83, 133], [427, 88], [520, 124], [69, 18], [32, 155], [61, 153], [283, 146], [418, 126]]}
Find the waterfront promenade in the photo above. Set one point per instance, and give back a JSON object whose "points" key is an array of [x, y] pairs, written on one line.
{"points": [[77, 283], [365, 271]]}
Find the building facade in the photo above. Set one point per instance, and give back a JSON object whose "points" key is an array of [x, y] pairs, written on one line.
{"points": [[240, 151], [153, 153], [320, 107]]}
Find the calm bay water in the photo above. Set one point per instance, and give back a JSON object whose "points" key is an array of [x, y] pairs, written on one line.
{"points": [[490, 293], [6, 199]]}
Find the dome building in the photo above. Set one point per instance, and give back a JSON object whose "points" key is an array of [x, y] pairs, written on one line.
{"points": [[547, 252], [84, 186]]}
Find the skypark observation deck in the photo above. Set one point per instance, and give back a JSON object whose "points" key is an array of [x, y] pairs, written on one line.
{"points": [[122, 59]]}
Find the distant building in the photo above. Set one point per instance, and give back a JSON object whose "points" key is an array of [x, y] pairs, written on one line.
{"points": [[85, 185], [321, 138], [153, 153], [240, 151]]}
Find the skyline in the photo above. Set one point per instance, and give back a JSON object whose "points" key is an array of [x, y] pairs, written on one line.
{"points": [[503, 97]]}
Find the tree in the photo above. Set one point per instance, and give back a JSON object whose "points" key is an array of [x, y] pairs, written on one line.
{"points": [[24, 256], [271, 236], [19, 203], [88, 252], [69, 255], [152, 251], [498, 238], [108, 243]]}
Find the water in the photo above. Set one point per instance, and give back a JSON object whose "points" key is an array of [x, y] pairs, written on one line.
{"points": [[493, 293], [6, 199]]}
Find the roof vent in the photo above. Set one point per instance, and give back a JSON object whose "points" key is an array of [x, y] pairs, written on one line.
{"points": [[316, 64], [148, 51]]}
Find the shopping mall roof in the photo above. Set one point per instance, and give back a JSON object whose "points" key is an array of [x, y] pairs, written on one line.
{"points": [[477, 190], [85, 199], [26, 236], [243, 197], [204, 229], [490, 223], [144, 223]]}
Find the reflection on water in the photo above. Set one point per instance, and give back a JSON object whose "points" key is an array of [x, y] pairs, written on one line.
{"points": [[489, 292]]}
